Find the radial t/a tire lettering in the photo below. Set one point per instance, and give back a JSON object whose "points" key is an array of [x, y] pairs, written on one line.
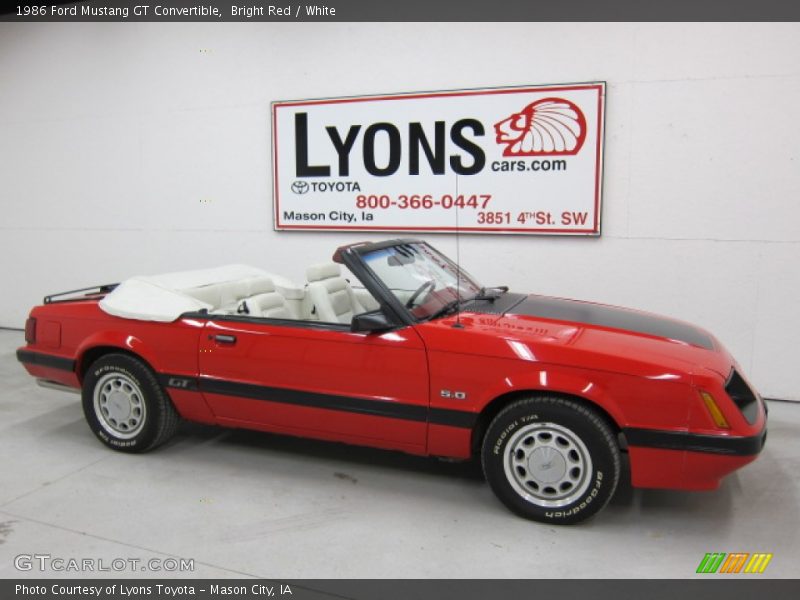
{"points": [[551, 459], [125, 406]]}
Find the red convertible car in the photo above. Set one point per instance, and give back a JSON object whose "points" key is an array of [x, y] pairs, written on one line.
{"points": [[418, 357]]}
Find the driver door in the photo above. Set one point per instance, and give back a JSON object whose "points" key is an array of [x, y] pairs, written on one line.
{"points": [[318, 380]]}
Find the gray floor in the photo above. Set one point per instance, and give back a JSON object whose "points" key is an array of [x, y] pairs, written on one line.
{"points": [[247, 504]]}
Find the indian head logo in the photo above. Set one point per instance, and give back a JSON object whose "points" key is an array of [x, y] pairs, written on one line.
{"points": [[551, 126]]}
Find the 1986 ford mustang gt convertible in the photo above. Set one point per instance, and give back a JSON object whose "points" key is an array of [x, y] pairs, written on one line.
{"points": [[416, 356]]}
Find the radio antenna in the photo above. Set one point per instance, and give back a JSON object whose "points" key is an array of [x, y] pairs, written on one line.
{"points": [[458, 324]]}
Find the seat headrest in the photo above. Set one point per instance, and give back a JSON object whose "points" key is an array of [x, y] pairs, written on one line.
{"points": [[322, 271], [259, 285]]}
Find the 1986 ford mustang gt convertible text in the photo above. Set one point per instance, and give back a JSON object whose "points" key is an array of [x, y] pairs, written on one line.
{"points": [[418, 357]]}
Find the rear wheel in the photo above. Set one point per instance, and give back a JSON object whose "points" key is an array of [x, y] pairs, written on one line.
{"points": [[125, 406], [551, 459]]}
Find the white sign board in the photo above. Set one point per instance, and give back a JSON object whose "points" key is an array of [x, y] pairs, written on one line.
{"points": [[502, 160]]}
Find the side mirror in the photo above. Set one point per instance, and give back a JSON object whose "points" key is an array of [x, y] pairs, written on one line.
{"points": [[371, 322]]}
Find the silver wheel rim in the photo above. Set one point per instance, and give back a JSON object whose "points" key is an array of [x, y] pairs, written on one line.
{"points": [[119, 405], [547, 464]]}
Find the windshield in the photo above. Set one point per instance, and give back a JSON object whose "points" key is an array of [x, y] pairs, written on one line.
{"points": [[424, 280]]}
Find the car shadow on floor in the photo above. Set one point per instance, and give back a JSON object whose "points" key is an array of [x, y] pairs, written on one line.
{"points": [[334, 453], [713, 509], [706, 509]]}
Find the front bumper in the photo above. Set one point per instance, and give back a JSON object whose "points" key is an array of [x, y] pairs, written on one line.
{"points": [[686, 461], [695, 442]]}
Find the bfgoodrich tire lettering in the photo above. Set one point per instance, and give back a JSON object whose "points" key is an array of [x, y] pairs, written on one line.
{"points": [[551, 459], [125, 406]]}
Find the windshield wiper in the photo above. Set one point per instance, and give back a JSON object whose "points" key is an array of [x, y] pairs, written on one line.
{"points": [[491, 293], [485, 293], [451, 306]]}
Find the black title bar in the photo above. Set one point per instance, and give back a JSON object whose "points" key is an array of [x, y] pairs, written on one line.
{"points": [[289, 11]]}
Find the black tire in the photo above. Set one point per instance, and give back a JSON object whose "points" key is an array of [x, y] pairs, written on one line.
{"points": [[130, 412], [551, 459]]}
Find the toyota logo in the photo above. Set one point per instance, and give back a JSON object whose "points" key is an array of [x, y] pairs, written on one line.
{"points": [[299, 187]]}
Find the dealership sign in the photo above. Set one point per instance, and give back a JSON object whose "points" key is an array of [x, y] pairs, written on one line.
{"points": [[506, 160]]}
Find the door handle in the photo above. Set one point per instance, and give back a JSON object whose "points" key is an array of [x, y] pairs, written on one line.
{"points": [[222, 338]]}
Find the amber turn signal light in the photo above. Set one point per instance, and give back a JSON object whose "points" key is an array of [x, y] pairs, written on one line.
{"points": [[716, 414]]}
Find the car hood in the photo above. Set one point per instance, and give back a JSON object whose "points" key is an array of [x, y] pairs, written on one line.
{"points": [[589, 332]]}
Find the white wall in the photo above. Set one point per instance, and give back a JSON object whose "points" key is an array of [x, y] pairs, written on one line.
{"points": [[128, 148]]}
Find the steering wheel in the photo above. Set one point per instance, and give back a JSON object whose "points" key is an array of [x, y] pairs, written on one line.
{"points": [[431, 283]]}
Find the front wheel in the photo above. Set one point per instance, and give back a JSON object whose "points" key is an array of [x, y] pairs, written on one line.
{"points": [[125, 406], [551, 459]]}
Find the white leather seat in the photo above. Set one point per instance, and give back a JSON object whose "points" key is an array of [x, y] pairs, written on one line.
{"points": [[330, 294], [210, 294], [270, 305], [257, 285], [259, 294], [264, 301], [222, 297]]}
